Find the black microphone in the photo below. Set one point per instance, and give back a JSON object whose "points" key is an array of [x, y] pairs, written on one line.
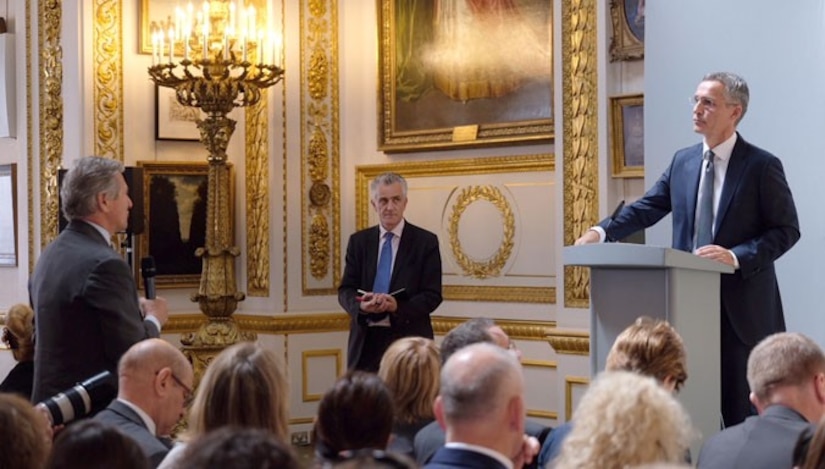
{"points": [[613, 216], [147, 269]]}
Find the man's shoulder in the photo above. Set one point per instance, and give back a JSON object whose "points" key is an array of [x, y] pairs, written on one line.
{"points": [[461, 457], [417, 231]]}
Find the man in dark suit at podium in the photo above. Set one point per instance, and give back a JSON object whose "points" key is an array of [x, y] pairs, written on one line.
{"points": [[731, 203], [392, 278]]}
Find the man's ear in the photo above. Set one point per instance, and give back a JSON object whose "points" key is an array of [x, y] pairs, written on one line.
{"points": [[438, 410], [515, 413], [760, 406], [102, 202], [162, 381]]}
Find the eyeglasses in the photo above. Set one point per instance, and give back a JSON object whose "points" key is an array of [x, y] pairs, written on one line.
{"points": [[188, 395], [708, 103]]}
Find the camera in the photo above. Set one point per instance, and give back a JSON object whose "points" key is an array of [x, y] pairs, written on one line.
{"points": [[93, 393]]}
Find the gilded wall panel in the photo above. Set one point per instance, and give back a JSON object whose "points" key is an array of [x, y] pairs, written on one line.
{"points": [[580, 120], [320, 160], [492, 219], [108, 79]]}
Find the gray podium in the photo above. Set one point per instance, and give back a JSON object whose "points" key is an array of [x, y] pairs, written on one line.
{"points": [[632, 280]]}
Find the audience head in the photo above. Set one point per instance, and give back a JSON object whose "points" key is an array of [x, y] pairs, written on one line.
{"points": [[24, 433], [89, 444], [19, 332], [788, 368], [239, 448], [156, 377], [625, 420], [475, 331], [94, 189], [650, 347], [410, 369], [356, 413], [244, 386], [481, 400]]}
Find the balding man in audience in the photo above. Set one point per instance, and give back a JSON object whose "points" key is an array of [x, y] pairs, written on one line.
{"points": [[477, 330], [786, 374], [155, 386], [481, 405]]}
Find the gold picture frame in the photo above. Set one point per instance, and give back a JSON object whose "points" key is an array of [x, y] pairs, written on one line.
{"points": [[154, 15], [8, 215], [491, 86], [174, 203], [628, 42], [627, 131]]}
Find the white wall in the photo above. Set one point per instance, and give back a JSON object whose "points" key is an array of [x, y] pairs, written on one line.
{"points": [[779, 50]]}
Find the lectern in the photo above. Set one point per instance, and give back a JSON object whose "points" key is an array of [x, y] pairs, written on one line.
{"points": [[632, 280]]}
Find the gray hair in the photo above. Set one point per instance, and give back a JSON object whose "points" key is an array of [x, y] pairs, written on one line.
{"points": [[474, 380], [736, 88], [90, 176], [386, 179], [469, 332], [783, 359]]}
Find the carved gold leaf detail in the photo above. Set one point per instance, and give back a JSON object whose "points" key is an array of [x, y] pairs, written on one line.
{"points": [[580, 160], [317, 157], [50, 14], [108, 76], [257, 198], [319, 246], [491, 267], [318, 78]]}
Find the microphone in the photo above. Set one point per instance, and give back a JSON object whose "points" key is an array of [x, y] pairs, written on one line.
{"points": [[148, 271], [613, 216]]}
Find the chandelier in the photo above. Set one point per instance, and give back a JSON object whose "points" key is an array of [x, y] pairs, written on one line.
{"points": [[216, 57]]}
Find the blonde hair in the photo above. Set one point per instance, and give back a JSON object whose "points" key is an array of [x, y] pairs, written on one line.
{"points": [[650, 347], [625, 419], [20, 324], [410, 369], [244, 386], [23, 443]]}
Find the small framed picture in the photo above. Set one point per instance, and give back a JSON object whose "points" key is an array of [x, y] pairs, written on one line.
{"points": [[628, 132], [174, 121], [8, 215], [628, 19]]}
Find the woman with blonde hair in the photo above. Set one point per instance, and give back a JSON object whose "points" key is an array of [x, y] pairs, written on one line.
{"points": [[626, 420], [19, 337], [244, 386], [410, 368]]}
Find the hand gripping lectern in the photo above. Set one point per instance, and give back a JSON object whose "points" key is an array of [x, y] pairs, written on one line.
{"points": [[632, 280]]}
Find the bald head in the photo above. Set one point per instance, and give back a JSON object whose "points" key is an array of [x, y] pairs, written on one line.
{"points": [[478, 379], [147, 356]]}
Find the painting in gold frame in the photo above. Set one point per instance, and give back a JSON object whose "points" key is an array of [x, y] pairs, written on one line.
{"points": [[451, 77], [628, 19], [174, 200], [154, 15], [628, 134]]}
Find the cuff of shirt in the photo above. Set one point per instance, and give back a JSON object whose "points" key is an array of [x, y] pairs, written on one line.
{"points": [[154, 321], [735, 260], [600, 230]]}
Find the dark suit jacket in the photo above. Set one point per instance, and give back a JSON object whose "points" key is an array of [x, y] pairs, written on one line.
{"points": [[417, 269], [446, 458], [765, 441], [756, 219], [19, 380], [86, 310], [120, 416], [431, 438]]}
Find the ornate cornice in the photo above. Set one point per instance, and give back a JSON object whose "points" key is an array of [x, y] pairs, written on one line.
{"points": [[569, 342], [50, 60], [108, 79], [320, 159], [580, 121]]}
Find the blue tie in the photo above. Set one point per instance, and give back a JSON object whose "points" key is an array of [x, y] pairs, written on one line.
{"points": [[384, 273]]}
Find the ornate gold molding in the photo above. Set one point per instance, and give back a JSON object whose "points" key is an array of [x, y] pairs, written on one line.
{"points": [[493, 266], [50, 61], [108, 79], [580, 121], [320, 211], [257, 198], [545, 295], [311, 323], [29, 133], [569, 342]]}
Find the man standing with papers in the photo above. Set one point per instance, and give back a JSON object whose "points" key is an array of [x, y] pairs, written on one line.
{"points": [[392, 278]]}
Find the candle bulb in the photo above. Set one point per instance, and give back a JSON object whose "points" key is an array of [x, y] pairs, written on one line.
{"points": [[171, 45], [160, 42], [154, 49]]}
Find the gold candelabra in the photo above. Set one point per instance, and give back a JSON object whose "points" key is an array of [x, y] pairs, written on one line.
{"points": [[216, 75]]}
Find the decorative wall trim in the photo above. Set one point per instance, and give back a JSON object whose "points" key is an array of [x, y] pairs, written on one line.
{"points": [[312, 323], [256, 175], [30, 184], [569, 342], [503, 294], [569, 382], [580, 121], [302, 420], [108, 79], [50, 114], [306, 355], [526, 362], [320, 160]]}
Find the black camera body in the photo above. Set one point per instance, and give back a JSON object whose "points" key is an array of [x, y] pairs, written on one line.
{"points": [[92, 394]]}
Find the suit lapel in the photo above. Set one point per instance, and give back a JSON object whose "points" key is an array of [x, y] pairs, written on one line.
{"points": [[733, 176], [404, 246], [693, 172]]}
